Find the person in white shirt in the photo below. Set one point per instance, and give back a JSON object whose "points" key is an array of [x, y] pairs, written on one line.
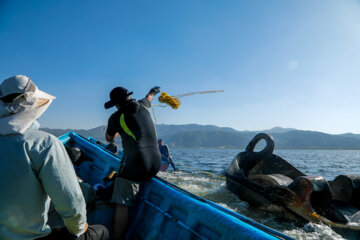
{"points": [[34, 169]]}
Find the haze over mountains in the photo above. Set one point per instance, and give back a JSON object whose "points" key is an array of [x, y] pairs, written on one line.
{"points": [[209, 136]]}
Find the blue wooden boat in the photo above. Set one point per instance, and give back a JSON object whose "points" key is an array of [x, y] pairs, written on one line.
{"points": [[163, 210]]}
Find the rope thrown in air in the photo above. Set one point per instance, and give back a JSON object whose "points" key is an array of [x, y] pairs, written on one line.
{"points": [[174, 101]]}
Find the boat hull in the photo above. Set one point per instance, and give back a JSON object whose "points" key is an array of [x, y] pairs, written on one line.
{"points": [[264, 179]]}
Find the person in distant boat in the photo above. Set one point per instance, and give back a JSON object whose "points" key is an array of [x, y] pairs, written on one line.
{"points": [[165, 154], [141, 159], [35, 168]]}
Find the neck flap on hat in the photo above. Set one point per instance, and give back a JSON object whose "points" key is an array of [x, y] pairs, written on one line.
{"points": [[18, 119]]}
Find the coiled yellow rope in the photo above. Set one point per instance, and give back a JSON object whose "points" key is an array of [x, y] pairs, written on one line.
{"points": [[174, 101]]}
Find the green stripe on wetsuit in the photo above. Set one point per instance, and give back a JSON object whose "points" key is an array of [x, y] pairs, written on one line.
{"points": [[125, 127]]}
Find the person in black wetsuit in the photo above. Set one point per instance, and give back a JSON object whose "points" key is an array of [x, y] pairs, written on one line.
{"points": [[141, 160]]}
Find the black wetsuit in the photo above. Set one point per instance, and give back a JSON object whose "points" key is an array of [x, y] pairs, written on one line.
{"points": [[142, 156]]}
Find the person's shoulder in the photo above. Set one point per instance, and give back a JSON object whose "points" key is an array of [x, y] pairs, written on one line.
{"points": [[39, 136], [36, 133], [115, 116], [132, 106], [145, 102]]}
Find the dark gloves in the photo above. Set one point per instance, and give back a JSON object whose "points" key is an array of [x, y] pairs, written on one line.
{"points": [[155, 90]]}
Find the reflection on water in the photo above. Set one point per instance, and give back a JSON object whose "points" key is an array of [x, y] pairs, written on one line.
{"points": [[326, 163]]}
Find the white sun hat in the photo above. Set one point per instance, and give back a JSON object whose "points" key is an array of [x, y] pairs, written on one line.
{"points": [[21, 103]]}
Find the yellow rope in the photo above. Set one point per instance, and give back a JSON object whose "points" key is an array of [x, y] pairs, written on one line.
{"points": [[174, 101], [201, 171], [203, 92], [153, 111], [158, 105], [169, 100]]}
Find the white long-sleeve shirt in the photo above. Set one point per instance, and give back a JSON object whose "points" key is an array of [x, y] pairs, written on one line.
{"points": [[34, 168]]}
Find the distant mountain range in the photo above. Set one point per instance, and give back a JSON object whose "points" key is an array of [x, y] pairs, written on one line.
{"points": [[209, 136]]}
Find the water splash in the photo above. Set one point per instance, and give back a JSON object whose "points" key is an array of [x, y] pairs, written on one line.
{"points": [[354, 219]]}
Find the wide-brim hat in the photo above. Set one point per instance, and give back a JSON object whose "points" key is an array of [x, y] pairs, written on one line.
{"points": [[21, 103], [118, 95]]}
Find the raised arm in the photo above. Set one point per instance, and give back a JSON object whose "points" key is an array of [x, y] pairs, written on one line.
{"points": [[150, 96]]}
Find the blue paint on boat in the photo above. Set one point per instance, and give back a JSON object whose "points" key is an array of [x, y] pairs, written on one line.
{"points": [[163, 210]]}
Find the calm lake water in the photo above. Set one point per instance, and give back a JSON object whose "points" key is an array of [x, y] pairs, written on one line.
{"points": [[326, 163]]}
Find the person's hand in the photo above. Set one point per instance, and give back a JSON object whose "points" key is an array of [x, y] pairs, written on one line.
{"points": [[155, 90]]}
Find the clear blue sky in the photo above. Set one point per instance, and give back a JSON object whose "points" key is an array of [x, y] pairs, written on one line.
{"points": [[282, 63]]}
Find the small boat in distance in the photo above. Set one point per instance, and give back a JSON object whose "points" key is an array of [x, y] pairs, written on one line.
{"points": [[164, 166], [265, 179], [163, 210]]}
